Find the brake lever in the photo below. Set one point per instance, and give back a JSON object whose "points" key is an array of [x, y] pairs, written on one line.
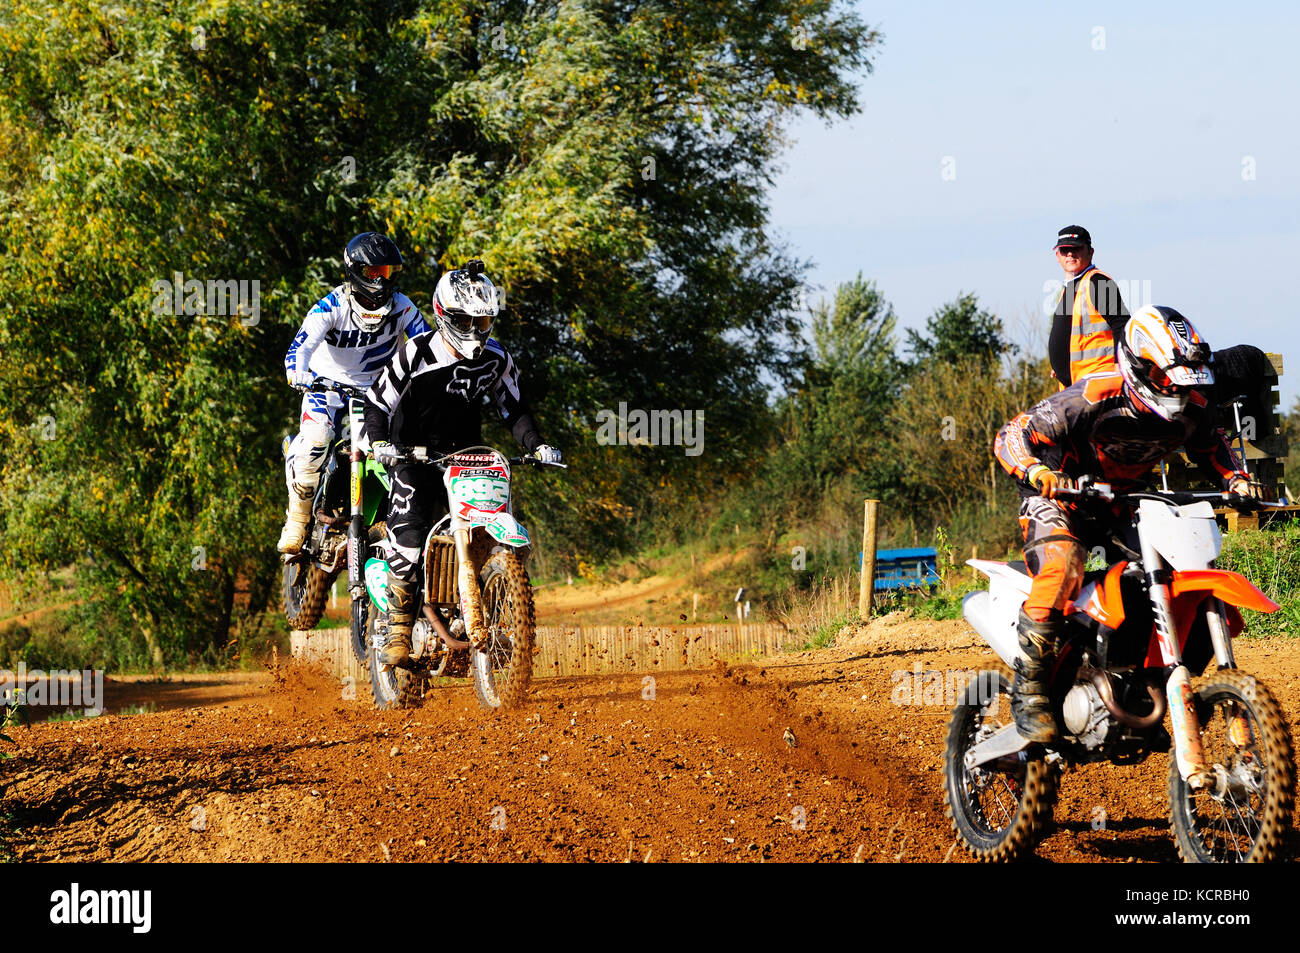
{"points": [[533, 461], [1087, 489], [1247, 502]]}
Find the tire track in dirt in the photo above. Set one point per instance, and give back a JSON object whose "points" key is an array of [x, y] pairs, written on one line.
{"points": [[593, 768]]}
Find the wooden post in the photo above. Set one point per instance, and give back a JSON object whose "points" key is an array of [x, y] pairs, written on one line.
{"points": [[867, 585], [695, 607]]}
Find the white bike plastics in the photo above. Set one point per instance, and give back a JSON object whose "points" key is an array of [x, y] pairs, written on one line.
{"points": [[1183, 538], [477, 482], [478, 495]]}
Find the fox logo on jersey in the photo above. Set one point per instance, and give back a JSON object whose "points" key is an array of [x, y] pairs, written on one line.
{"points": [[471, 381]]}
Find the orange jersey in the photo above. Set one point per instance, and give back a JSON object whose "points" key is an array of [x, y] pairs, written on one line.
{"points": [[1093, 427]]}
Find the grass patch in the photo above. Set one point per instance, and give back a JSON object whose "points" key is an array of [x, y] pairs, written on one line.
{"points": [[8, 835], [818, 613], [148, 708], [823, 636], [1270, 558]]}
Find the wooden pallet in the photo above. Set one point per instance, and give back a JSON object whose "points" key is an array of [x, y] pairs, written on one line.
{"points": [[1265, 456]]}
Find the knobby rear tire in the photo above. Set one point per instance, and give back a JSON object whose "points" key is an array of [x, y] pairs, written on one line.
{"points": [[357, 617], [395, 688], [306, 591]]}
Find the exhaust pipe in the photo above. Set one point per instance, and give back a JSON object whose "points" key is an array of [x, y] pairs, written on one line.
{"points": [[440, 626], [1101, 681]]}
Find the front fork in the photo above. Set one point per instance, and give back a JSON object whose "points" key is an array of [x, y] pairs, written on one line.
{"points": [[356, 522], [471, 597], [1178, 687]]}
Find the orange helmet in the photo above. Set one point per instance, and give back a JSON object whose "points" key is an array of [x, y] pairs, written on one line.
{"points": [[1163, 359]]}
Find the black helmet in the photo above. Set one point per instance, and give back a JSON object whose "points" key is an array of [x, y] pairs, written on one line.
{"points": [[370, 266]]}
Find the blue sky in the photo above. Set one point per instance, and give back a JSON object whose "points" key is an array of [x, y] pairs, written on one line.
{"points": [[1143, 142]]}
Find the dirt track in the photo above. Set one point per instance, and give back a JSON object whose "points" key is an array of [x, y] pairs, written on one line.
{"points": [[590, 770]]}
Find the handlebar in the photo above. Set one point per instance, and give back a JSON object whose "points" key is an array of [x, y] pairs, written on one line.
{"points": [[1090, 489], [534, 462], [323, 385], [442, 461]]}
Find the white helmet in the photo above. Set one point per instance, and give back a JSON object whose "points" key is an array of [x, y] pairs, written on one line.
{"points": [[1163, 359], [465, 304]]}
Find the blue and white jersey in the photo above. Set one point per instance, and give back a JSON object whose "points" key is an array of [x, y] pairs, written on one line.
{"points": [[331, 345]]}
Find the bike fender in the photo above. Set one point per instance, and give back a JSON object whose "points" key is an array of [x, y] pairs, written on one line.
{"points": [[1232, 587], [502, 527], [994, 621]]}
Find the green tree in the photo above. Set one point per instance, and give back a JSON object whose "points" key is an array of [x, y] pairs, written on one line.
{"points": [[1289, 424], [942, 430], [608, 160], [832, 423], [958, 329]]}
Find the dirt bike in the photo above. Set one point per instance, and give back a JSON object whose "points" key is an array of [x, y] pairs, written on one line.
{"points": [[1133, 637], [473, 600], [347, 520]]}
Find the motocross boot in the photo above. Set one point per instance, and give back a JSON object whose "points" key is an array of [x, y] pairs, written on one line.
{"points": [[401, 616], [1030, 706], [295, 525]]}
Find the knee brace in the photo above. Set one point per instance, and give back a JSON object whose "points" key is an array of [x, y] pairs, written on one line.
{"points": [[307, 455], [403, 561]]}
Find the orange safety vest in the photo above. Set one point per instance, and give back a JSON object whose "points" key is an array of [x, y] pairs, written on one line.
{"points": [[1092, 345]]}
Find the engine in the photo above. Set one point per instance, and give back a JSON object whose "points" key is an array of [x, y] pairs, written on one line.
{"points": [[1086, 716]]}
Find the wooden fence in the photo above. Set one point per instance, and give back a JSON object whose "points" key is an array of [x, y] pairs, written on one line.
{"points": [[589, 649], [330, 649], [609, 649]]}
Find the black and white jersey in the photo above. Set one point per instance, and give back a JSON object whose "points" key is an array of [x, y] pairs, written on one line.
{"points": [[430, 396]]}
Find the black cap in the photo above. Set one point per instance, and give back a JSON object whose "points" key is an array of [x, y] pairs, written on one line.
{"points": [[1073, 236]]}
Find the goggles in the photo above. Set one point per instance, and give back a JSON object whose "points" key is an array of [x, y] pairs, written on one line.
{"points": [[462, 322]]}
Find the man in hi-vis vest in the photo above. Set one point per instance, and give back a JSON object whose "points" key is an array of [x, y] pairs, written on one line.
{"points": [[1090, 313]]}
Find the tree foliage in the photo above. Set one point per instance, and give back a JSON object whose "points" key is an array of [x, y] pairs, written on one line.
{"points": [[607, 159], [833, 423], [956, 330]]}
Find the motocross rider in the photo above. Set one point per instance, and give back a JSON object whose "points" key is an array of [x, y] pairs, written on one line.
{"points": [[1114, 426], [347, 337], [430, 395]]}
